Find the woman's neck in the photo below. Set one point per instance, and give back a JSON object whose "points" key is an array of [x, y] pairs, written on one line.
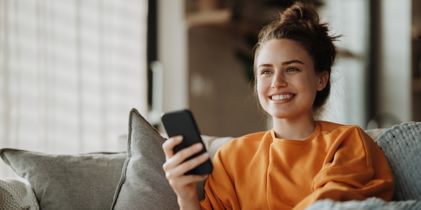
{"points": [[296, 129]]}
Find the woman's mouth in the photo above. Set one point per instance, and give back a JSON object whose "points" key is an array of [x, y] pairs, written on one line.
{"points": [[281, 97]]}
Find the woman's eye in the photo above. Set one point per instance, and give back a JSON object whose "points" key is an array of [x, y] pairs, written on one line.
{"points": [[292, 69], [265, 72]]}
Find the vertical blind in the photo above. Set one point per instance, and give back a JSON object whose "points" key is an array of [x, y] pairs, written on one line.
{"points": [[70, 71]]}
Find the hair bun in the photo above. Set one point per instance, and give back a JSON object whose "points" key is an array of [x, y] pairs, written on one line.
{"points": [[300, 14]]}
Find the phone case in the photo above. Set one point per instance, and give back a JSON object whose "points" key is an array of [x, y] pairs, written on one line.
{"points": [[182, 123]]}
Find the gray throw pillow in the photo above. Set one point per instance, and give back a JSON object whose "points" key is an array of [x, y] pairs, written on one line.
{"points": [[143, 184], [66, 182], [402, 146]]}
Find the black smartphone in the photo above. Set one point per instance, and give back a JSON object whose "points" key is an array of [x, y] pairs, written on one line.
{"points": [[182, 123]]}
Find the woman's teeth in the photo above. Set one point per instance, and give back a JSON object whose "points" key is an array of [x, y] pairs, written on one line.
{"points": [[281, 97]]}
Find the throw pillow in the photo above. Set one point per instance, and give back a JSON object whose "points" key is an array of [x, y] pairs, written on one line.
{"points": [[17, 195], [64, 182], [402, 147], [143, 184]]}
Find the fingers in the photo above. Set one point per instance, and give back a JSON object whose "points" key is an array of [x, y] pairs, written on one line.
{"points": [[182, 155], [185, 180], [174, 169], [169, 145], [176, 166]]}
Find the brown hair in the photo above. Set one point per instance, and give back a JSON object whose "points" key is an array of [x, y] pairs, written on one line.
{"points": [[301, 23]]}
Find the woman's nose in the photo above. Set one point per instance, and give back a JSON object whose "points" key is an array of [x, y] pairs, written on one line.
{"points": [[278, 81]]}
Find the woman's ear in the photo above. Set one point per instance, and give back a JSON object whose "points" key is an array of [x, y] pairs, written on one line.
{"points": [[323, 79]]}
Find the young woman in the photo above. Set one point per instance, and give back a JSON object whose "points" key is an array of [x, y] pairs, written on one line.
{"points": [[300, 160]]}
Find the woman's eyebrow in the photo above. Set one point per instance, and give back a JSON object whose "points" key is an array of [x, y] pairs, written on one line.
{"points": [[264, 65], [283, 63], [292, 61]]}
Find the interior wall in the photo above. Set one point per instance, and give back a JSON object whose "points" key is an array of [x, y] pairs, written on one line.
{"points": [[347, 100], [395, 60], [201, 73], [172, 53], [416, 56], [221, 96]]}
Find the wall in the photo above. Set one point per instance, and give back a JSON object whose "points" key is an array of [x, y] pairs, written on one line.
{"points": [[172, 52], [395, 60], [201, 73], [416, 64], [221, 96], [347, 101]]}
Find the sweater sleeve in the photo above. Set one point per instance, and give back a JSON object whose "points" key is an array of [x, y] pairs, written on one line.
{"points": [[354, 169], [219, 187]]}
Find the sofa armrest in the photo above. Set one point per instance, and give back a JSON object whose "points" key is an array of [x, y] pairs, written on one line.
{"points": [[16, 194]]}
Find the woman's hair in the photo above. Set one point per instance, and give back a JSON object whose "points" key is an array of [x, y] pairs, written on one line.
{"points": [[301, 23]]}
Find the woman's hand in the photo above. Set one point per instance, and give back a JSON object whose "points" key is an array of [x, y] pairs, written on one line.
{"points": [[175, 168]]}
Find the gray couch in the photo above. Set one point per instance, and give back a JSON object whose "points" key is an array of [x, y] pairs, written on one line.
{"points": [[134, 179]]}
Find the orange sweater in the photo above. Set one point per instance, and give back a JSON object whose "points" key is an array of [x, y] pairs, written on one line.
{"points": [[260, 171]]}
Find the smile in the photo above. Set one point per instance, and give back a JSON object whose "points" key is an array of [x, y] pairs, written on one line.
{"points": [[282, 97]]}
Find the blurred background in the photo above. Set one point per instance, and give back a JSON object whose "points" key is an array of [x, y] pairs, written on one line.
{"points": [[71, 70]]}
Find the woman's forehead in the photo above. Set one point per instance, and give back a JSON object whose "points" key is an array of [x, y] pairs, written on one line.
{"points": [[282, 51]]}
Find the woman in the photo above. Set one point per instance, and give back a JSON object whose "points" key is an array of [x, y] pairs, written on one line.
{"points": [[300, 160]]}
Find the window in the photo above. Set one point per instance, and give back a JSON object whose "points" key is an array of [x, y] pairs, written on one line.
{"points": [[70, 71]]}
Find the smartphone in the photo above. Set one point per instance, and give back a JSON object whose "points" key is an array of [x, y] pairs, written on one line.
{"points": [[182, 123]]}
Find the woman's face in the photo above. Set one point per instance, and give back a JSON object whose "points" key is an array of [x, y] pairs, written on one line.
{"points": [[286, 80]]}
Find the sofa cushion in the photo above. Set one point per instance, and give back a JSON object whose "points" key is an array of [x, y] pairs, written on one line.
{"points": [[402, 147], [375, 133], [16, 194], [86, 181], [368, 204], [143, 184]]}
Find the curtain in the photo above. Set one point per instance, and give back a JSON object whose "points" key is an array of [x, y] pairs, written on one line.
{"points": [[70, 71]]}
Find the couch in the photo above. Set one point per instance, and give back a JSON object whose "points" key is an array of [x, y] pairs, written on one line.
{"points": [[134, 179]]}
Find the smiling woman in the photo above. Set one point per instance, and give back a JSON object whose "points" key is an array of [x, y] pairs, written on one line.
{"points": [[286, 80], [70, 73], [301, 159]]}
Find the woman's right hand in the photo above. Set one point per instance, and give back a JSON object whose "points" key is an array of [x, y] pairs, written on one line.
{"points": [[175, 168]]}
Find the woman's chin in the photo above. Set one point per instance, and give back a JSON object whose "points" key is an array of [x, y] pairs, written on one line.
{"points": [[279, 115]]}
